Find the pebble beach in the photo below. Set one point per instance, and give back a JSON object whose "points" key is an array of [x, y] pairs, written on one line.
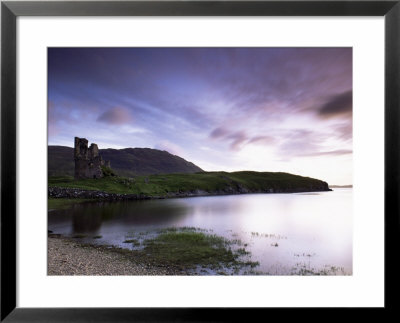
{"points": [[69, 258]]}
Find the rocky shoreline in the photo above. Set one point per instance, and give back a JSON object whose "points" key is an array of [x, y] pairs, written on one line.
{"points": [[66, 257], [71, 193]]}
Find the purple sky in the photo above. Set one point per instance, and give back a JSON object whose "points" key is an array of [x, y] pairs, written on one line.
{"points": [[264, 109]]}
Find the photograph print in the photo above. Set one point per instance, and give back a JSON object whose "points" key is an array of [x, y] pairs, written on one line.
{"points": [[200, 161]]}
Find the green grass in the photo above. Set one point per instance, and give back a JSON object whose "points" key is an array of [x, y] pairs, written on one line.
{"points": [[107, 171], [60, 203], [210, 182], [189, 247]]}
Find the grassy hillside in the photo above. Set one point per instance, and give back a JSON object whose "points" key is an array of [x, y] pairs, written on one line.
{"points": [[207, 182], [125, 162]]}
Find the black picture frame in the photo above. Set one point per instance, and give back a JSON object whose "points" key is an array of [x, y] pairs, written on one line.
{"points": [[10, 10]]}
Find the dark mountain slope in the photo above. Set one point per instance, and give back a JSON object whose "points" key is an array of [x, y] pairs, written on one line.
{"points": [[125, 162], [144, 161], [60, 161]]}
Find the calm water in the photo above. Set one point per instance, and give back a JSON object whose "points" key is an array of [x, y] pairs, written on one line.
{"points": [[285, 233]]}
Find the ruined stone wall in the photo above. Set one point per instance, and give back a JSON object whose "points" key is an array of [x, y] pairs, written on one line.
{"points": [[88, 162]]}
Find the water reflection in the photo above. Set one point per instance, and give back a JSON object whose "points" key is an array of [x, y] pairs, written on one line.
{"points": [[282, 231], [88, 218]]}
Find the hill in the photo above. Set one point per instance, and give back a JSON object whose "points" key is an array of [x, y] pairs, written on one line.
{"points": [[125, 162], [60, 161], [181, 185]]}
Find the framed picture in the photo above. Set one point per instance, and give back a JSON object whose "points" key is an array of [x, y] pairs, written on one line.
{"points": [[227, 98]]}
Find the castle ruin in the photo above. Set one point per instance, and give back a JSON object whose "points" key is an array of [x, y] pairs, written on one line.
{"points": [[88, 162]]}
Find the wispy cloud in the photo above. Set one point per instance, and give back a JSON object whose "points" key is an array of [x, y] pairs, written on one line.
{"points": [[340, 105], [219, 133], [262, 140], [338, 152], [237, 139], [115, 116]]}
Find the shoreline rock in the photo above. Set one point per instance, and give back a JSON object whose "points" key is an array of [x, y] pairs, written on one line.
{"points": [[71, 193]]}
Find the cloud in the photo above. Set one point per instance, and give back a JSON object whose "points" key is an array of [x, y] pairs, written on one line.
{"points": [[339, 105], [219, 133], [338, 152], [299, 142], [262, 140], [238, 140], [345, 132], [280, 80], [115, 116]]}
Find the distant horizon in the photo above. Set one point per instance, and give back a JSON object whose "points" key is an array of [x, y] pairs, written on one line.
{"points": [[223, 109]]}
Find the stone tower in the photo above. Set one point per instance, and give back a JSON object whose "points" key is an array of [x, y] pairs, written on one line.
{"points": [[88, 162]]}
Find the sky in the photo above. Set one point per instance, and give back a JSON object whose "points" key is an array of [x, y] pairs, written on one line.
{"points": [[231, 109]]}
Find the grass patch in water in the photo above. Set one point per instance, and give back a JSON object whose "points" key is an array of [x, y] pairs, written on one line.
{"points": [[183, 229], [190, 247], [302, 269], [242, 251]]}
